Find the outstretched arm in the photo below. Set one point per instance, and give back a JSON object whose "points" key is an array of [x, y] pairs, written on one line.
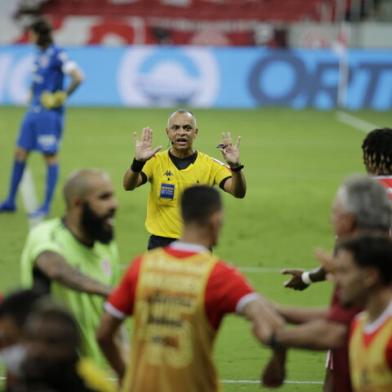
{"points": [[56, 268], [264, 318], [294, 315], [301, 279], [143, 152], [314, 335], [236, 185], [106, 334], [265, 323]]}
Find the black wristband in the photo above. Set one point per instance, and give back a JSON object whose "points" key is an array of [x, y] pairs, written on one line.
{"points": [[236, 168], [272, 342], [137, 166]]}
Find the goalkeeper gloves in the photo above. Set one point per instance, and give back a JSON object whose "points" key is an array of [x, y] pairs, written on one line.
{"points": [[53, 100]]}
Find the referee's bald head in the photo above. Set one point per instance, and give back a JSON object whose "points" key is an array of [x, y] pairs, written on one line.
{"points": [[184, 112]]}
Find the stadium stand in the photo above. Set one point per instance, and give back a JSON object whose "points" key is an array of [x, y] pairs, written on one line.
{"points": [[270, 23], [287, 10]]}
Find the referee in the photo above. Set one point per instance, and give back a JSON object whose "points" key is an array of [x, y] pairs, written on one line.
{"points": [[171, 171]]}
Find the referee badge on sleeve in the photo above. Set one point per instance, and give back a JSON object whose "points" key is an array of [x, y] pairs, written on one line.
{"points": [[167, 191]]}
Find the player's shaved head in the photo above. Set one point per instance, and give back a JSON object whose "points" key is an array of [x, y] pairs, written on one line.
{"points": [[79, 184], [183, 112]]}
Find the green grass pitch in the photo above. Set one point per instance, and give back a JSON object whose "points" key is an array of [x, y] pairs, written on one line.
{"points": [[294, 161]]}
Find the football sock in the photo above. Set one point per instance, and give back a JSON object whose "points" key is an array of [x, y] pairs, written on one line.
{"points": [[17, 173], [51, 181]]}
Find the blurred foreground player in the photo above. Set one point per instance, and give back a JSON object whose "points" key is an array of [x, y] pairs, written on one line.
{"points": [[42, 126], [178, 296], [377, 158], [364, 275], [75, 258], [15, 309], [361, 205], [52, 361], [363, 272]]}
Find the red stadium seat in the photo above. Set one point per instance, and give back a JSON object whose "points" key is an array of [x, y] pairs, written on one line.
{"points": [[283, 10]]}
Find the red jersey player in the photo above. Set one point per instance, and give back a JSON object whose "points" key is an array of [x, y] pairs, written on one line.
{"points": [[377, 156], [178, 296], [361, 205]]}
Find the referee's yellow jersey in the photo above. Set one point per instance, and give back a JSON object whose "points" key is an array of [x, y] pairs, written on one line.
{"points": [[167, 184]]}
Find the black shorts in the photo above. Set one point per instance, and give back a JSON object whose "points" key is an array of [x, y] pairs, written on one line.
{"points": [[155, 241]]}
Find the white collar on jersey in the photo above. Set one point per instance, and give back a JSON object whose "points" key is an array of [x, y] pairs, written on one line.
{"points": [[180, 245], [371, 327], [383, 177]]}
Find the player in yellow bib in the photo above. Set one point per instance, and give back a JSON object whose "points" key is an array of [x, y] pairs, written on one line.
{"points": [[171, 171], [364, 275], [178, 296]]}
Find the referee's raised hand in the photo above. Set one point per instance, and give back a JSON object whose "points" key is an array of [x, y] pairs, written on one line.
{"points": [[143, 146], [230, 151]]}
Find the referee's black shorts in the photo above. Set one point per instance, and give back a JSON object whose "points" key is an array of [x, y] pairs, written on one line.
{"points": [[155, 241]]}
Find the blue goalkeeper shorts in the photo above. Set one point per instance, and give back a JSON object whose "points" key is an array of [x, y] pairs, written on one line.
{"points": [[41, 131]]}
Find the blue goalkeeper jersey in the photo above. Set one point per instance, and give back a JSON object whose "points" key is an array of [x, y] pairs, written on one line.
{"points": [[48, 73]]}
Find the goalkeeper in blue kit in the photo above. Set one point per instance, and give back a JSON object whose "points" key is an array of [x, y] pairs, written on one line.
{"points": [[42, 125]]}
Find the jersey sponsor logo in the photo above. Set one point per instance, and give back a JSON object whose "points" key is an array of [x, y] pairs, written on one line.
{"points": [[167, 77], [37, 78], [106, 267], [364, 377], [43, 61], [168, 173], [167, 191], [169, 294], [47, 140]]}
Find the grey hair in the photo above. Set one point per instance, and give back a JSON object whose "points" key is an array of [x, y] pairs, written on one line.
{"points": [[368, 201]]}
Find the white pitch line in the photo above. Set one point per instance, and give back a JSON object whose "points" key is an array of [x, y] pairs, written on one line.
{"points": [[355, 122], [258, 382], [250, 270], [2, 378], [265, 269]]}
